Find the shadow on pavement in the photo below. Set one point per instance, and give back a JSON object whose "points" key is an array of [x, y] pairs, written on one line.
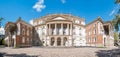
{"points": [[16, 55], [108, 53]]}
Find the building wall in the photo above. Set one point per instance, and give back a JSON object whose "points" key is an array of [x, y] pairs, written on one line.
{"points": [[24, 35], [94, 33], [77, 33]]}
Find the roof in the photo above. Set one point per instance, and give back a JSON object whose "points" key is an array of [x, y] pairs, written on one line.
{"points": [[50, 16], [20, 20], [98, 19]]}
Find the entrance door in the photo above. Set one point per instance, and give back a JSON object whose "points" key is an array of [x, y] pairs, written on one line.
{"points": [[58, 41], [52, 41], [104, 41], [64, 41]]}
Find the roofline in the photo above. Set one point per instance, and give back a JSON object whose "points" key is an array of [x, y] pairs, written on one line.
{"points": [[98, 19], [59, 15]]}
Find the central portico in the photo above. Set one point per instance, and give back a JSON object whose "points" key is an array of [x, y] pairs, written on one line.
{"points": [[59, 32]]}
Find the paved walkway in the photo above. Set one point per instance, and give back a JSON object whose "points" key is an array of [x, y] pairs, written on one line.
{"points": [[56, 52]]}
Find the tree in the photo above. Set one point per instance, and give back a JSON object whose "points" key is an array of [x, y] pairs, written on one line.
{"points": [[117, 1], [116, 20], [116, 36]]}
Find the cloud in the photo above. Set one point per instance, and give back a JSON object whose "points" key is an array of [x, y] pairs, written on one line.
{"points": [[114, 11], [31, 22], [63, 1], [39, 5]]}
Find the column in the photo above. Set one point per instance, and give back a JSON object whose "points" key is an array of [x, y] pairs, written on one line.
{"points": [[49, 41], [15, 41], [62, 41], [9, 40], [71, 29], [55, 29], [46, 29], [68, 29], [62, 28], [55, 41], [49, 29]]}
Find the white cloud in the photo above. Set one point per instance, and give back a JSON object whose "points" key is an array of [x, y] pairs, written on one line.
{"points": [[113, 11], [63, 1], [31, 22], [39, 5]]}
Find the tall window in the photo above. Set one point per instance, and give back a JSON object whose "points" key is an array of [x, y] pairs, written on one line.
{"points": [[94, 25], [23, 31], [94, 31], [28, 40], [28, 32], [23, 39]]}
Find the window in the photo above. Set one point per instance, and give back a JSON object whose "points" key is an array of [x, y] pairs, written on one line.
{"points": [[94, 31], [94, 25], [28, 40], [95, 39], [23, 39], [76, 21], [89, 40], [23, 31], [80, 28], [28, 32]]}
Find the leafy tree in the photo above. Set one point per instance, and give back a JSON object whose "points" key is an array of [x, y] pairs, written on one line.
{"points": [[117, 1], [116, 36], [116, 20]]}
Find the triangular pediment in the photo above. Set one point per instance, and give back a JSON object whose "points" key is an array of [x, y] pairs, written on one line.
{"points": [[59, 18]]}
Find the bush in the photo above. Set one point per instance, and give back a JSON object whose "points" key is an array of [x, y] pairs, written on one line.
{"points": [[3, 42]]}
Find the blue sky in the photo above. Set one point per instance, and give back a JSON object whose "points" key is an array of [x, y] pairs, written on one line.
{"points": [[10, 10]]}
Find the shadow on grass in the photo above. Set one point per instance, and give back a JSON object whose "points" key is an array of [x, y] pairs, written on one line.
{"points": [[108, 53], [16, 55]]}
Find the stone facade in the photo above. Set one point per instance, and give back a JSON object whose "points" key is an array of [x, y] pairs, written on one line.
{"points": [[61, 30]]}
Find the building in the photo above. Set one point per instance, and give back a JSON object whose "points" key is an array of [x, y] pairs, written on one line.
{"points": [[99, 33], [59, 30], [18, 34]]}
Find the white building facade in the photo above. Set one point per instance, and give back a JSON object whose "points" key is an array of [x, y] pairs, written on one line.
{"points": [[60, 30]]}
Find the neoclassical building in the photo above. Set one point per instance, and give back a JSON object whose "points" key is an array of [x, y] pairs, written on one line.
{"points": [[60, 30]]}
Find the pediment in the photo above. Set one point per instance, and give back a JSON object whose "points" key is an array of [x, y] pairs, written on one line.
{"points": [[59, 18]]}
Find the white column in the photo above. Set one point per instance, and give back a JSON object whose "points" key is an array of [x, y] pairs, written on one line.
{"points": [[67, 29], [15, 42], [55, 29], [55, 41], [62, 41], [49, 41], [62, 28], [71, 29], [9, 40], [49, 29]]}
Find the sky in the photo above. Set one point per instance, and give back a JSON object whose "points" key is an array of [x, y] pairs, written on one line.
{"points": [[10, 10]]}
